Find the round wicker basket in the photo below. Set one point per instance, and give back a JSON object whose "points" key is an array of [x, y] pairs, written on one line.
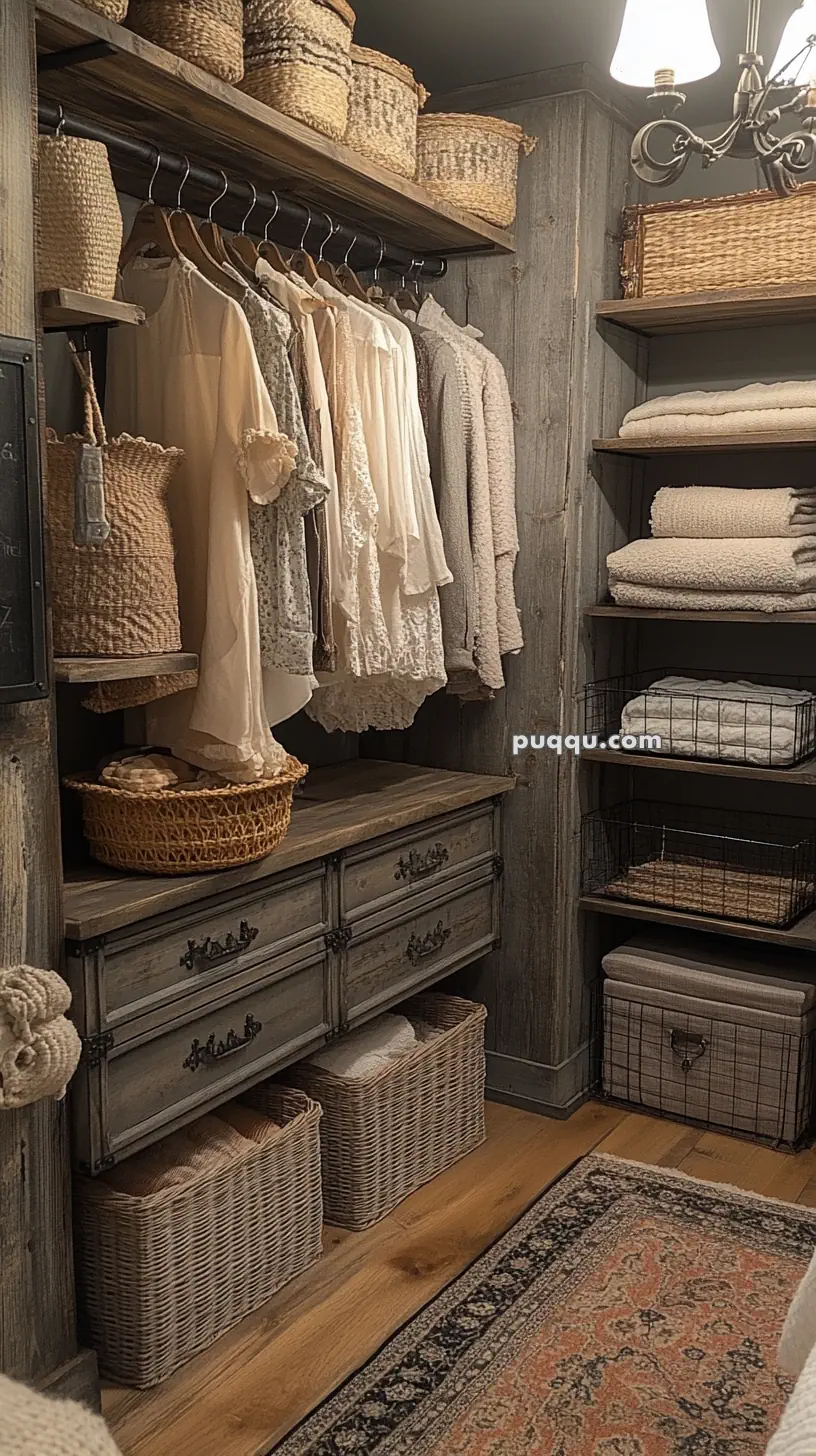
{"points": [[111, 9], [297, 59], [180, 832], [384, 103], [80, 223], [472, 162], [209, 33]]}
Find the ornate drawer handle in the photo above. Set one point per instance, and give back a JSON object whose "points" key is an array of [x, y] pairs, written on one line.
{"points": [[687, 1048], [213, 1051], [213, 953], [416, 866], [419, 947]]}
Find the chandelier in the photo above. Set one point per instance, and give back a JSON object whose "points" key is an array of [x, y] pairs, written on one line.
{"points": [[665, 44]]}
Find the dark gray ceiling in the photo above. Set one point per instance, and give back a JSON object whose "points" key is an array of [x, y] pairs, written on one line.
{"points": [[452, 43]]}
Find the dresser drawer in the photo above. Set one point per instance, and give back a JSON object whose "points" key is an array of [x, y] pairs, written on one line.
{"points": [[166, 961], [415, 862], [388, 962]]}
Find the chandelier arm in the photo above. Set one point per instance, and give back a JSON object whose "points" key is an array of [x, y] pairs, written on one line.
{"points": [[660, 172], [754, 14]]}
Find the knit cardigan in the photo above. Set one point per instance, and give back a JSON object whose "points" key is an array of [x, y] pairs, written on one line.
{"points": [[40, 1425]]}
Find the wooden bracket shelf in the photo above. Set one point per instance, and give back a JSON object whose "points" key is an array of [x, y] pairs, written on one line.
{"points": [[801, 936], [657, 614], [64, 308], [802, 776], [121, 669], [708, 444], [727, 308], [140, 90]]}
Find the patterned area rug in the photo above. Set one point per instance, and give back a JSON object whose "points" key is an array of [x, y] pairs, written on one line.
{"points": [[631, 1312]]}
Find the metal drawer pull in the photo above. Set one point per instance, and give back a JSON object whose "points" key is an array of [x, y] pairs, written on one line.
{"points": [[688, 1048], [213, 953], [419, 947], [416, 866], [213, 1051]]}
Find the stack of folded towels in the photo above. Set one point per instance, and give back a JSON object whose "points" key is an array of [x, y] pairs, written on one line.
{"points": [[716, 549], [733, 722], [374, 1048], [755, 409]]}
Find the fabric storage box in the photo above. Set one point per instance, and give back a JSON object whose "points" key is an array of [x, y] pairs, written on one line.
{"points": [[748, 240], [713, 1037], [297, 59], [384, 103], [383, 1138], [472, 162], [209, 33], [162, 1276]]}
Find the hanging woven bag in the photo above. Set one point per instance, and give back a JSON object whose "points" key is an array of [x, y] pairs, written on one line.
{"points": [[111, 9], [80, 222], [384, 103], [297, 59], [472, 162], [113, 584], [209, 33]]}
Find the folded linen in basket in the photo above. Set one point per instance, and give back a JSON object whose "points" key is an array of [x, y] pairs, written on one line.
{"points": [[737, 722], [671, 599], [712, 511], [209, 1143], [364, 1053], [791, 394], [768, 564]]}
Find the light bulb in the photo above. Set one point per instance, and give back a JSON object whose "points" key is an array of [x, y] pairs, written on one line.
{"points": [[666, 36], [798, 31]]}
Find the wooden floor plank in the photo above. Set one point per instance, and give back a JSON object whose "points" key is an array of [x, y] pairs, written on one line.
{"points": [[749, 1166], [650, 1140]]}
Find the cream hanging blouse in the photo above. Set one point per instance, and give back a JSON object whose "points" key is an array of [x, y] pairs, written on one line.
{"points": [[189, 377]]}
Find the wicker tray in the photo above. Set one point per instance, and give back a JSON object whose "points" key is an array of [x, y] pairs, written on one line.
{"points": [[176, 832], [162, 1277], [383, 1138]]}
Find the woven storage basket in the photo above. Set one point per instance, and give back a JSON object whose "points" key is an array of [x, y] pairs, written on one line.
{"points": [[111, 9], [296, 55], [472, 162], [209, 33], [162, 1277], [384, 103], [752, 239], [118, 598], [80, 223], [178, 832], [381, 1139]]}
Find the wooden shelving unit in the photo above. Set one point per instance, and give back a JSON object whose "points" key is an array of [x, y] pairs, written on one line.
{"points": [[146, 92], [122, 669], [709, 444], [804, 775], [801, 936], [64, 308], [658, 614], [727, 308]]}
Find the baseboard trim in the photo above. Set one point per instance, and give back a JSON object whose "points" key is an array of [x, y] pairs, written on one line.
{"points": [[77, 1379], [537, 1087], [535, 1104]]}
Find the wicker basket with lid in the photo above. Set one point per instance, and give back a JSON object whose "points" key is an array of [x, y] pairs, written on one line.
{"points": [[297, 59], [384, 103], [209, 33], [472, 162]]}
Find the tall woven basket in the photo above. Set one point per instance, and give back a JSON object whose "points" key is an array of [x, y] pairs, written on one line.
{"points": [[749, 239], [163, 1276], [111, 9], [182, 832], [384, 1137], [384, 103], [80, 223], [472, 162], [117, 598], [297, 59], [209, 33]]}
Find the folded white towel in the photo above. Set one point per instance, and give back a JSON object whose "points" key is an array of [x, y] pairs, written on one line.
{"points": [[769, 564], [731, 722], [792, 394], [739, 422], [672, 599], [364, 1053], [712, 511]]}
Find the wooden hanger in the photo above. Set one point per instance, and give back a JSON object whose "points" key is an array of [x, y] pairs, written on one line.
{"points": [[326, 270], [241, 250], [189, 241], [403, 297], [270, 251], [209, 231], [301, 262], [347, 279], [151, 229]]}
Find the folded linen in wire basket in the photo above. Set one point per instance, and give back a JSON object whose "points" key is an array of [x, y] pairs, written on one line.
{"points": [[672, 599], [712, 511], [736, 722], [755, 407], [767, 564]]}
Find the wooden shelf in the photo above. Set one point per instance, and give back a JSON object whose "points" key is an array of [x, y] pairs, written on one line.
{"points": [[144, 91], [709, 444], [64, 308], [659, 614], [803, 776], [735, 308], [121, 669], [801, 936]]}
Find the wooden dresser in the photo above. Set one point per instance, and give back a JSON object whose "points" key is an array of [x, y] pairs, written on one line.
{"points": [[187, 991]]}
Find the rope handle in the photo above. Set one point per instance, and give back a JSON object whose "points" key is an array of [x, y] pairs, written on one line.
{"points": [[95, 432]]}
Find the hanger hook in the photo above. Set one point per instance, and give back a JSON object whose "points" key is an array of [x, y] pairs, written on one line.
{"points": [[252, 207], [307, 227], [352, 245], [271, 219], [156, 171], [378, 264], [182, 184], [333, 228], [216, 200], [60, 127]]}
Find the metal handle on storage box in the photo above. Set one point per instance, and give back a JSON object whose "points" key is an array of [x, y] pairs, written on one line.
{"points": [[213, 953], [416, 866], [419, 947], [213, 1051], [689, 1049]]}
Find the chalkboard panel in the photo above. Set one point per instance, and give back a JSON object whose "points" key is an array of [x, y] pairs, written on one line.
{"points": [[22, 598]]}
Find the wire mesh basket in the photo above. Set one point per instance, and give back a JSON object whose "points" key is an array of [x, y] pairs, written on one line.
{"points": [[759, 869], [768, 722]]}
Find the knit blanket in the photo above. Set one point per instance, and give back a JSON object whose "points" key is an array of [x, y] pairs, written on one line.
{"points": [[718, 512], [736, 722], [738, 422], [767, 564], [671, 599], [795, 394], [39, 1047], [40, 1425]]}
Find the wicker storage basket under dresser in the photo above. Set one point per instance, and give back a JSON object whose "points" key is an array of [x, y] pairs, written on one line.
{"points": [[711, 1037], [163, 1276], [384, 1137]]}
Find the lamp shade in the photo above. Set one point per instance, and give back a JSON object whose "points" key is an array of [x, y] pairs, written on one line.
{"points": [[665, 35], [789, 64]]}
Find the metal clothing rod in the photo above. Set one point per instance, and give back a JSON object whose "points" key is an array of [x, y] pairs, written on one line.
{"points": [[364, 249]]}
